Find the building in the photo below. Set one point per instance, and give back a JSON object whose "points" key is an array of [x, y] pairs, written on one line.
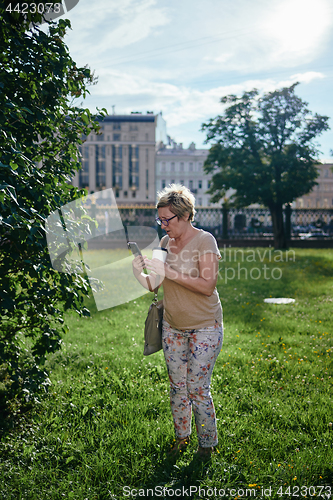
{"points": [[184, 166], [322, 195], [122, 157]]}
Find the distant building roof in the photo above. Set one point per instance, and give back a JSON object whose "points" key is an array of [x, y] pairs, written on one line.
{"points": [[135, 117], [181, 152]]}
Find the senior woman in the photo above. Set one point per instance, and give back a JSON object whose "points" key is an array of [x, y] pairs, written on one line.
{"points": [[192, 323]]}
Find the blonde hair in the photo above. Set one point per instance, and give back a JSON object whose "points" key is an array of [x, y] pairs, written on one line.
{"points": [[180, 200]]}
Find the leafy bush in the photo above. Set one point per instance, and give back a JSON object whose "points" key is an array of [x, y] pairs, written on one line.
{"points": [[40, 131]]}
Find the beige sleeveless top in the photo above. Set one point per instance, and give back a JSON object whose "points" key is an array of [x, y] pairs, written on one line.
{"points": [[183, 308]]}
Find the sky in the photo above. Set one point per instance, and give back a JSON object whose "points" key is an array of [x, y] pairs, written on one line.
{"points": [[181, 57]]}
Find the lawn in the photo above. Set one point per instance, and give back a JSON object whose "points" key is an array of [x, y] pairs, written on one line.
{"points": [[104, 428]]}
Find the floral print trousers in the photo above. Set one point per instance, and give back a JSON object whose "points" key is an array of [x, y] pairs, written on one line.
{"points": [[190, 356]]}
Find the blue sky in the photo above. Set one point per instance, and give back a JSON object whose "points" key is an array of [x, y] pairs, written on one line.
{"points": [[181, 57]]}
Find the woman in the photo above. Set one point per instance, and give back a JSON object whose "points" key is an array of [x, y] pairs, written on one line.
{"points": [[192, 322]]}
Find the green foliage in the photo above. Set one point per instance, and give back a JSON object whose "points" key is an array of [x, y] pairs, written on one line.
{"points": [[264, 149], [40, 130]]}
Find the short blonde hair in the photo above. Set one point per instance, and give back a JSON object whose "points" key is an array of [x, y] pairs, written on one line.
{"points": [[180, 200]]}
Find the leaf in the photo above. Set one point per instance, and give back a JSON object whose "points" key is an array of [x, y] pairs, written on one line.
{"points": [[84, 411], [69, 459], [13, 165], [85, 118]]}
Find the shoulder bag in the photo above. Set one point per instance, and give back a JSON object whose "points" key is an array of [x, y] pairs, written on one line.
{"points": [[153, 324], [153, 327]]}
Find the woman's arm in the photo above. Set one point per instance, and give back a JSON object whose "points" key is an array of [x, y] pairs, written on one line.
{"points": [[205, 283]]}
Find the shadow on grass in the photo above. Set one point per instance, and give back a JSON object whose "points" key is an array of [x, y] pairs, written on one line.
{"points": [[184, 474]]}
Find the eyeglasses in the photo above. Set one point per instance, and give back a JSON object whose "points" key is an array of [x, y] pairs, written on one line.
{"points": [[164, 221]]}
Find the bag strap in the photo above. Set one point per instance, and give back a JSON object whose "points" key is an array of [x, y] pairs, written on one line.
{"points": [[155, 290]]}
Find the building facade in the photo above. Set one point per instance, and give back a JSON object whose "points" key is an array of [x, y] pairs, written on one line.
{"points": [[122, 157], [184, 166], [322, 195]]}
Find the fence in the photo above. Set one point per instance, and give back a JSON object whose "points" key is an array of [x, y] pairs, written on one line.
{"points": [[244, 223]]}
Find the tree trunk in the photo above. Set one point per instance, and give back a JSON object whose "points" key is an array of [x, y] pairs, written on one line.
{"points": [[280, 240]]}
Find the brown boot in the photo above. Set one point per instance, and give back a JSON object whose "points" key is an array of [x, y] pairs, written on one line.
{"points": [[204, 454]]}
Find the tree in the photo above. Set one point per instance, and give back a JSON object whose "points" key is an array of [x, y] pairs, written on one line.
{"points": [[40, 131], [264, 149]]}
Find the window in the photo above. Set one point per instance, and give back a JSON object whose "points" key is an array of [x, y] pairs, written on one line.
{"points": [[100, 166], [172, 167], [147, 180], [182, 182], [200, 202], [200, 184], [208, 184], [191, 185], [116, 126], [84, 171], [191, 167], [116, 137], [147, 155], [133, 128], [163, 166], [134, 167], [147, 137], [117, 167], [172, 181], [163, 183], [100, 137], [182, 167], [326, 173]]}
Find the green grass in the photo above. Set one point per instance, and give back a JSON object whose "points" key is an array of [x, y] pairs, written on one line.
{"points": [[106, 421]]}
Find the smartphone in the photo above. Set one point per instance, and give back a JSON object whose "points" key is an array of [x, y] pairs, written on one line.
{"points": [[132, 245]]}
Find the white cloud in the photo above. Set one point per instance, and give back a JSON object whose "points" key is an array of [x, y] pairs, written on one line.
{"points": [[297, 28], [253, 39], [105, 25], [181, 104]]}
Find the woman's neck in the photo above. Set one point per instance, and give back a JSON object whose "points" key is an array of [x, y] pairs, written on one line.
{"points": [[186, 235]]}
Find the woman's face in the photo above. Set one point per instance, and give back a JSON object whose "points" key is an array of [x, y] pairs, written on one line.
{"points": [[176, 226]]}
